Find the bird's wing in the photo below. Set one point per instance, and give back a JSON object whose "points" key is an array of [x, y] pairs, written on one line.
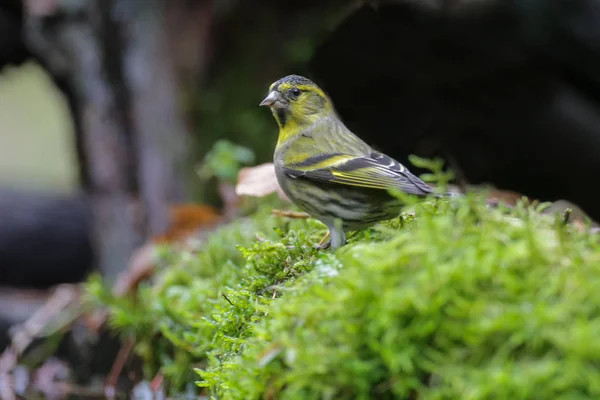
{"points": [[376, 171]]}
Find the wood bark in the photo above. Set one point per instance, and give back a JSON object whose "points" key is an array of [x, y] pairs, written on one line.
{"points": [[132, 140]]}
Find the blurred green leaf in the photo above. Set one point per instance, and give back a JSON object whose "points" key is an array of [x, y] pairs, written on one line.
{"points": [[224, 161]]}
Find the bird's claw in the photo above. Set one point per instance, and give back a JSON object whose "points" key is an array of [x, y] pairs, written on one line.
{"points": [[324, 243], [323, 246]]}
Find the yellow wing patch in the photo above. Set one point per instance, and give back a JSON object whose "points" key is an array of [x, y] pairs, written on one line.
{"points": [[374, 173], [330, 161], [364, 178]]}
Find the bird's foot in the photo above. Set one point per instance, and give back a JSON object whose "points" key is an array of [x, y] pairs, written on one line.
{"points": [[323, 246], [324, 243]]}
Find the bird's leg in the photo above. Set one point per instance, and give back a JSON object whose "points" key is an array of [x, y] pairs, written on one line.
{"points": [[338, 236]]}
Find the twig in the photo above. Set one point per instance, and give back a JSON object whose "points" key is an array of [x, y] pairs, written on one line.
{"points": [[142, 265], [290, 214], [157, 382], [43, 317], [29, 330], [324, 239], [32, 328], [80, 391], [227, 298], [117, 368]]}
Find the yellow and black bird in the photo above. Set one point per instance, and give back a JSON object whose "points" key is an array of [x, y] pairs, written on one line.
{"points": [[328, 171]]}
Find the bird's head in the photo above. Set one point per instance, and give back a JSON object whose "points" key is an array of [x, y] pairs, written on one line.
{"points": [[297, 101]]}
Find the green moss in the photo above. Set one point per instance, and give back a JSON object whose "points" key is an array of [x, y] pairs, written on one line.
{"points": [[450, 300], [205, 298]]}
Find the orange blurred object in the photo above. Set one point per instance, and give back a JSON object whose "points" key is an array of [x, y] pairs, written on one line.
{"points": [[187, 219]]}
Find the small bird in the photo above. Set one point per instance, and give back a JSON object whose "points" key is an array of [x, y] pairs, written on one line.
{"points": [[327, 170]]}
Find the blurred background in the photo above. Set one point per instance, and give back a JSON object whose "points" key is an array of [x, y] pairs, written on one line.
{"points": [[110, 109]]}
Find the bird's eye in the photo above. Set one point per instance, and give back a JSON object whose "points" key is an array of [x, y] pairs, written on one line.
{"points": [[295, 92]]}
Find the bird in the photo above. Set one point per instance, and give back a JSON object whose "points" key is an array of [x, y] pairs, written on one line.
{"points": [[328, 171]]}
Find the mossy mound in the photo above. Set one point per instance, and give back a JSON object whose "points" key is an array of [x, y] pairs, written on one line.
{"points": [[451, 300]]}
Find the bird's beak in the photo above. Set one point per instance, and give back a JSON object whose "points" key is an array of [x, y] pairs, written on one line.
{"points": [[274, 100]]}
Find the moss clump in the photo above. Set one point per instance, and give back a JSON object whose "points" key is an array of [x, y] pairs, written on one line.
{"points": [[450, 301], [205, 298], [468, 303]]}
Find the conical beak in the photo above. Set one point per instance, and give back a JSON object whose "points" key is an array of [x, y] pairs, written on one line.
{"points": [[273, 100]]}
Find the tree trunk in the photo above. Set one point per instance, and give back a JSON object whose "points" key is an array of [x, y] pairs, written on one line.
{"points": [[114, 55]]}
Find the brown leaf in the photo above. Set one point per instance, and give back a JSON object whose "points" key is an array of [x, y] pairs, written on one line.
{"points": [[258, 181], [186, 219]]}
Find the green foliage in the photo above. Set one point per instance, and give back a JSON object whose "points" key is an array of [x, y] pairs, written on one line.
{"points": [[436, 166], [465, 303], [205, 299], [224, 161], [451, 300]]}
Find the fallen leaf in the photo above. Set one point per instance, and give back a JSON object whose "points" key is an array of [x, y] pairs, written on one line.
{"points": [[258, 181], [187, 219]]}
